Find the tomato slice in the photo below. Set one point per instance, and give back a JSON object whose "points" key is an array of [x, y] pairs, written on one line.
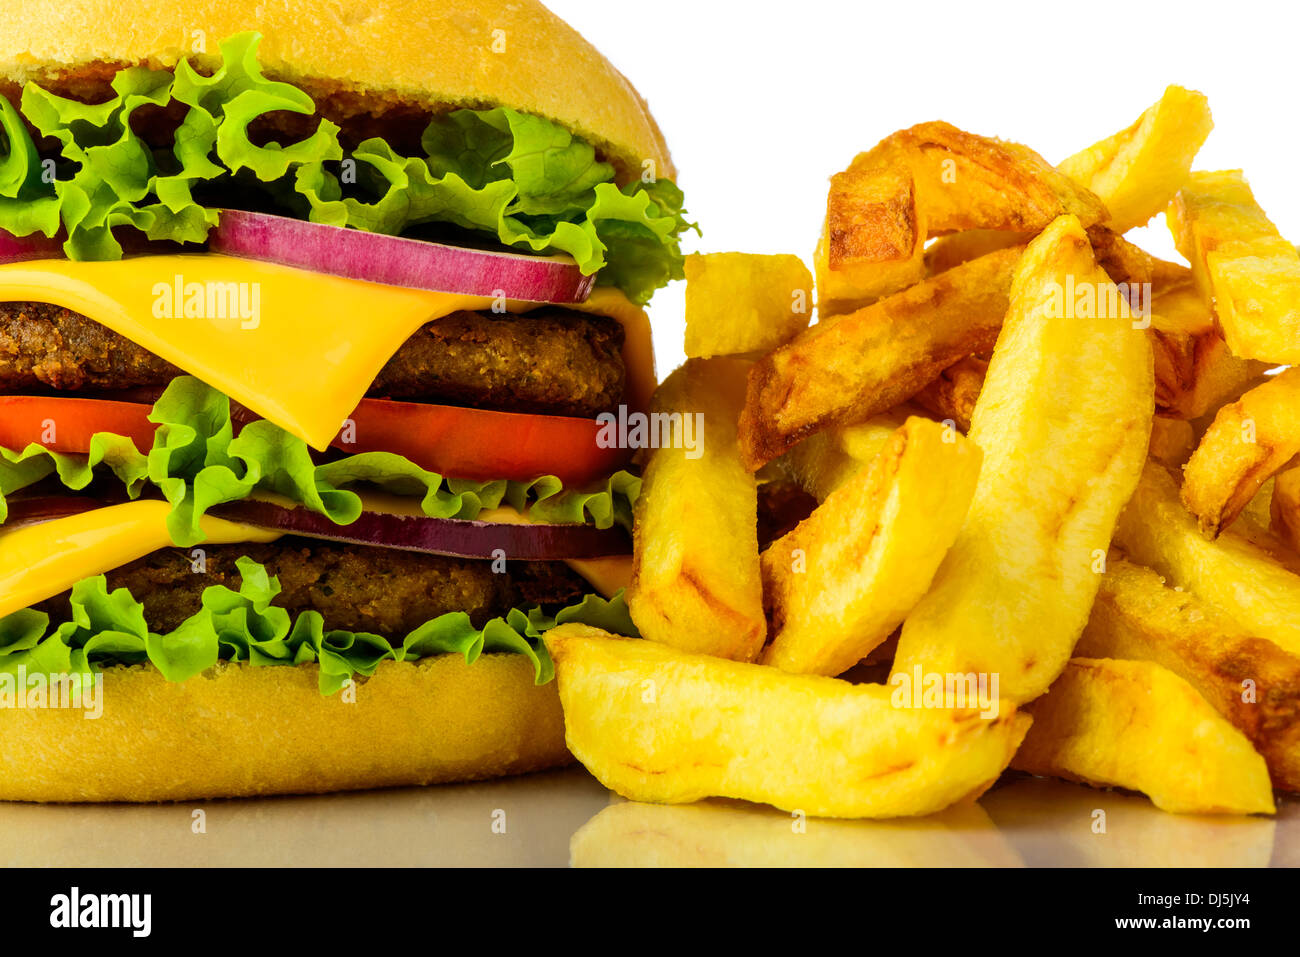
{"points": [[66, 425], [460, 443], [482, 445]]}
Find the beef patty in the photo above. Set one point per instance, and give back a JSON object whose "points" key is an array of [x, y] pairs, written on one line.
{"points": [[551, 362], [354, 588]]}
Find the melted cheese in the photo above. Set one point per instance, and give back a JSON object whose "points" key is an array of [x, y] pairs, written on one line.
{"points": [[40, 561], [309, 351]]}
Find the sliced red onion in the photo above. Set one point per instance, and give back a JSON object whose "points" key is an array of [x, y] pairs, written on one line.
{"points": [[18, 249], [437, 536], [394, 261], [37, 511]]}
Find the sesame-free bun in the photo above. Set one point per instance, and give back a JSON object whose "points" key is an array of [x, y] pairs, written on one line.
{"points": [[358, 57], [242, 731]]}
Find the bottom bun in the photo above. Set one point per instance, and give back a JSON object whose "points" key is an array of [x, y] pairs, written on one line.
{"points": [[240, 731]]}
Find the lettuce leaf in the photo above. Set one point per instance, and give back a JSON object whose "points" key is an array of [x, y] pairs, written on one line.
{"points": [[519, 179], [198, 462], [109, 628]]}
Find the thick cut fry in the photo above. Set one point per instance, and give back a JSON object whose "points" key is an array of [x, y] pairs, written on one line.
{"points": [[661, 726], [737, 303], [1250, 681], [1137, 171], [840, 583], [965, 181], [1232, 572], [1242, 265], [1172, 440], [1285, 508], [731, 834], [825, 461], [957, 248], [873, 243], [1250, 441], [1064, 422], [1195, 371], [1137, 725], [695, 578], [952, 396], [844, 371]]}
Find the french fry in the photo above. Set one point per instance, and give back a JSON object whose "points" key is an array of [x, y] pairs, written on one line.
{"points": [[1251, 682], [1250, 441], [844, 371], [731, 834], [952, 396], [840, 583], [1172, 441], [1137, 171], [695, 578], [737, 303], [825, 461], [1237, 575], [695, 726], [1285, 508], [873, 243], [957, 248], [1137, 725], [1242, 265], [1196, 373], [1061, 456], [965, 181]]}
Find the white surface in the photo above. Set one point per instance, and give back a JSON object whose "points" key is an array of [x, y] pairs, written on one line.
{"points": [[761, 101]]}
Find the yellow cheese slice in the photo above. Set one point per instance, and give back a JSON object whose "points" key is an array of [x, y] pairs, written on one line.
{"points": [[40, 561], [296, 347]]}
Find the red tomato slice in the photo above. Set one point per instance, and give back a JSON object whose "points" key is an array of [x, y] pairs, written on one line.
{"points": [[66, 425], [460, 443], [481, 445]]}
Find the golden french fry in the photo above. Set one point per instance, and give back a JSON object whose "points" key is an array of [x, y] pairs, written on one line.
{"points": [[844, 371], [1061, 456], [873, 242], [825, 461], [957, 248], [1237, 575], [1285, 508], [658, 725], [1250, 441], [1137, 725], [1242, 265], [695, 578], [1252, 682], [952, 396], [732, 834], [1196, 373], [840, 583], [1172, 440], [1137, 171], [737, 303]]}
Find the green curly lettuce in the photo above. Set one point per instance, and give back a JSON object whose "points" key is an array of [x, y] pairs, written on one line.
{"points": [[521, 179], [110, 628], [198, 462]]}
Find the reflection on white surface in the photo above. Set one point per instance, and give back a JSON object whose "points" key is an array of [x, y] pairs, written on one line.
{"points": [[524, 821], [566, 817]]}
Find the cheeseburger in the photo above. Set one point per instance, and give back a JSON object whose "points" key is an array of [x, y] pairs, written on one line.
{"points": [[310, 315]]}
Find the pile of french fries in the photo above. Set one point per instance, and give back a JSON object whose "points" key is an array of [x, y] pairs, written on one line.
{"points": [[1056, 485]]}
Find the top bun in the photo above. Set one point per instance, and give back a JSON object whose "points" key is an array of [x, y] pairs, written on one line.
{"points": [[366, 57]]}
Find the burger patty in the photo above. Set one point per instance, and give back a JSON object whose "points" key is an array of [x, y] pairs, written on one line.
{"points": [[551, 362], [354, 588]]}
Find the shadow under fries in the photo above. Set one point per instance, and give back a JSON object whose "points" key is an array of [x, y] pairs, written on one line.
{"points": [[1058, 824], [525, 821]]}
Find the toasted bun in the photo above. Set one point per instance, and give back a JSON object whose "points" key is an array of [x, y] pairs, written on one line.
{"points": [[429, 54], [241, 731]]}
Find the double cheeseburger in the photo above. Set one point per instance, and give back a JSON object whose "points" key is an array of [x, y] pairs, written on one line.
{"points": [[313, 319]]}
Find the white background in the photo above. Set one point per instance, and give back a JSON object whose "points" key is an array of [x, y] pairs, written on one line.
{"points": [[761, 102]]}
